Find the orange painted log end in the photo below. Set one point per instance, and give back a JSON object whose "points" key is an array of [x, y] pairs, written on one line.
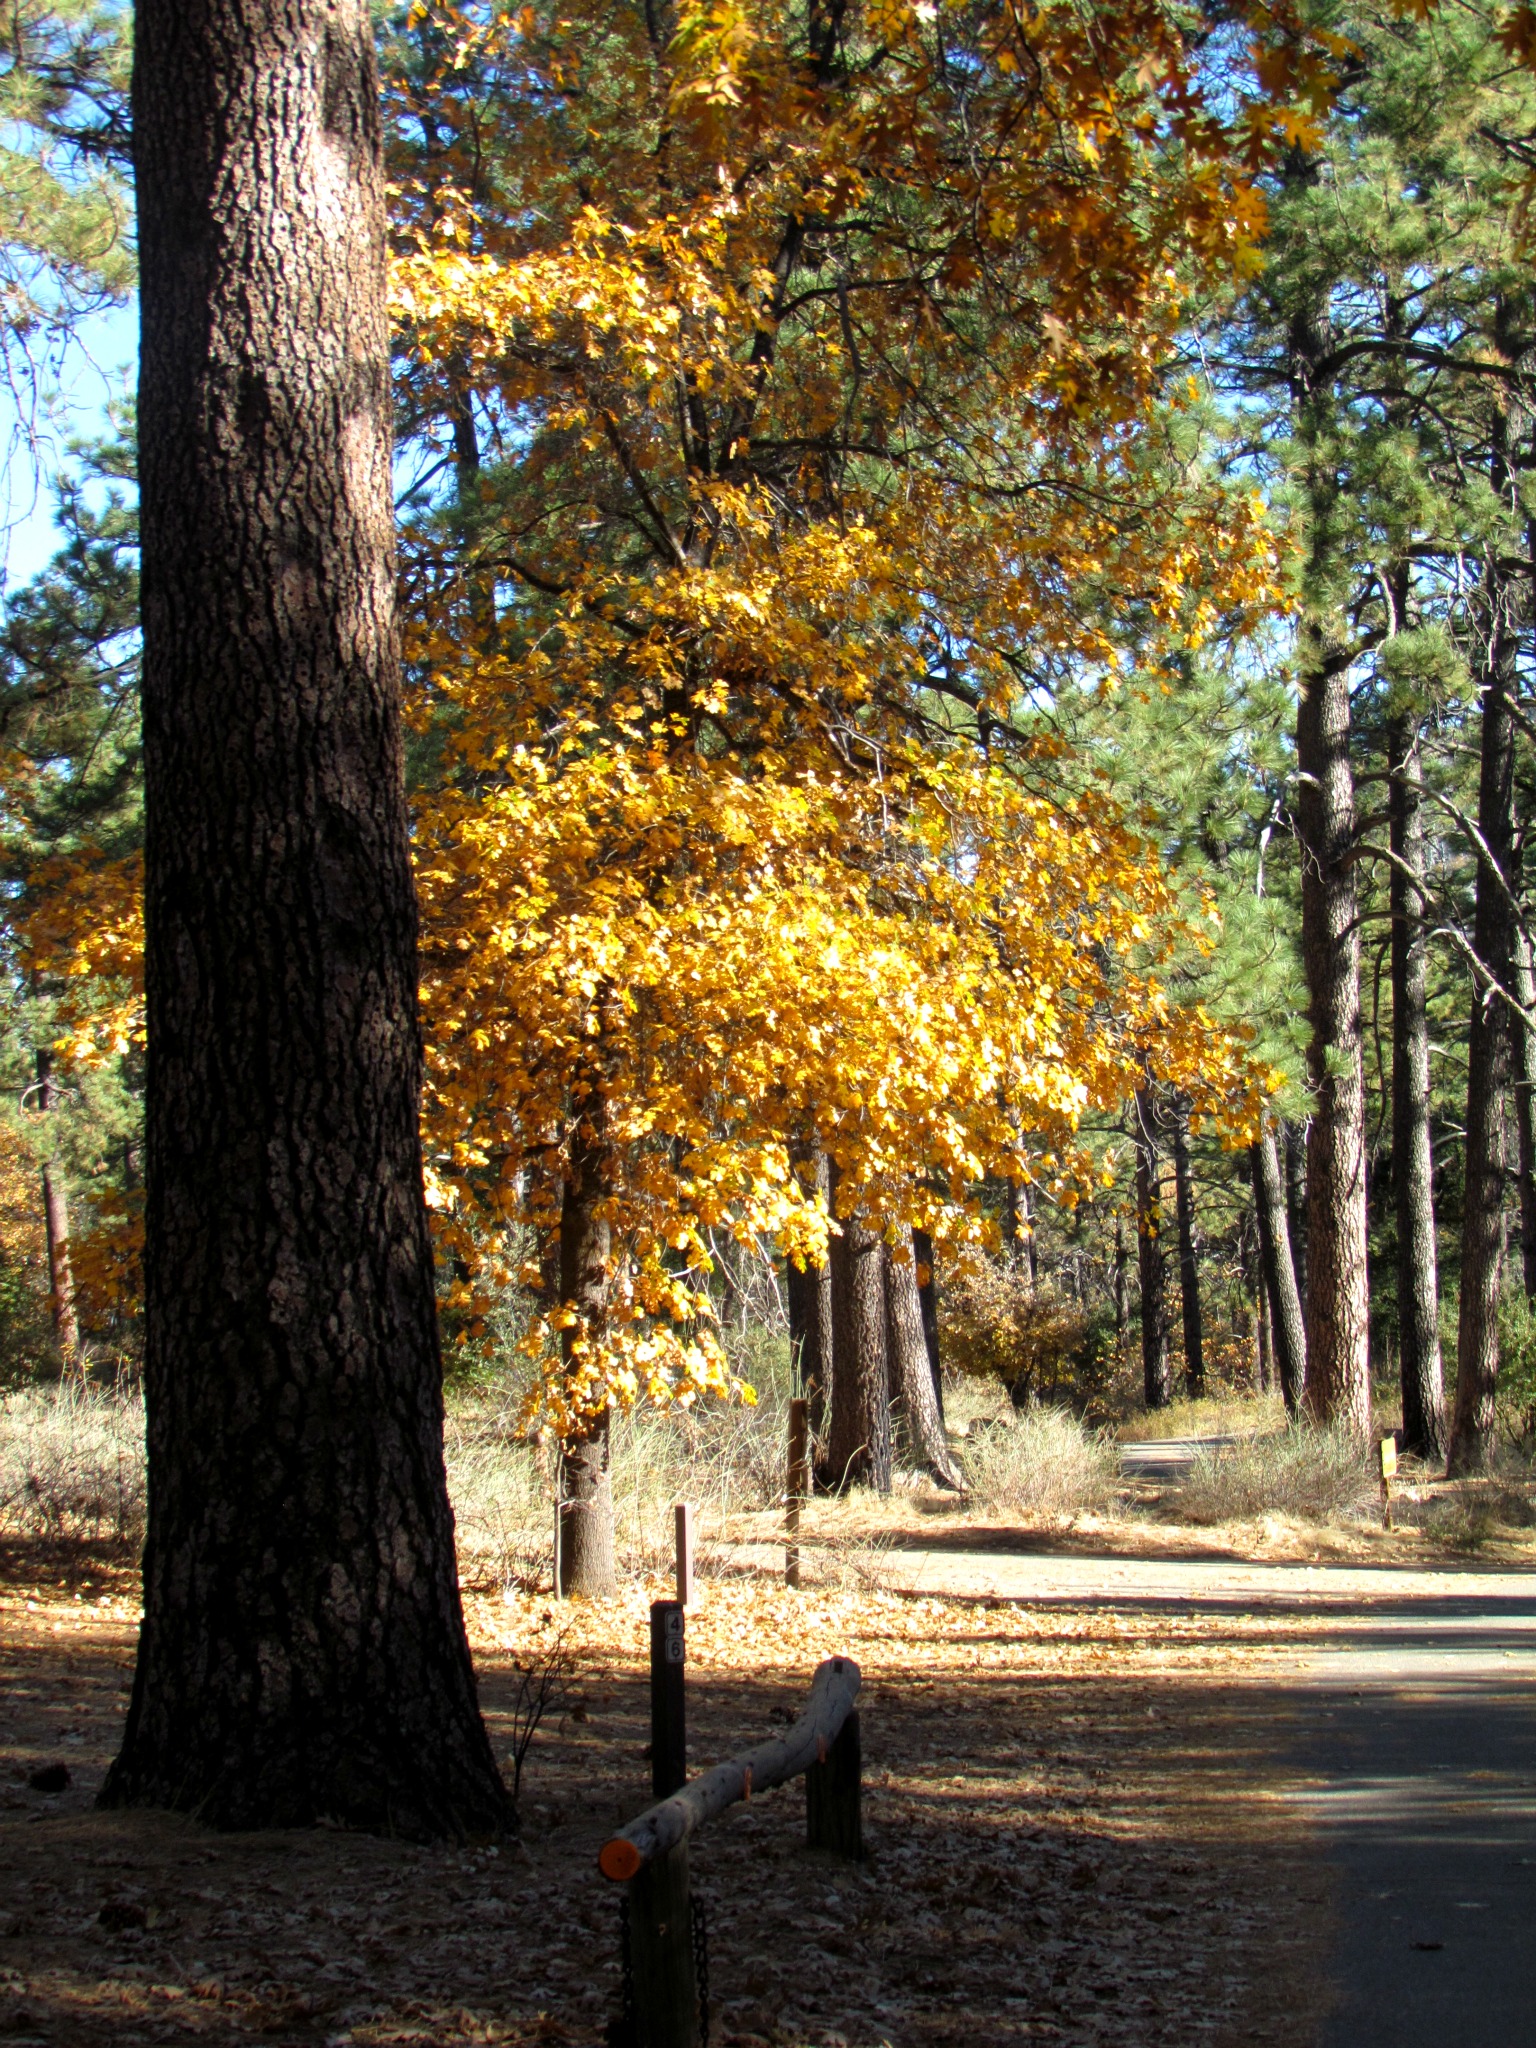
{"points": [[618, 1860]]}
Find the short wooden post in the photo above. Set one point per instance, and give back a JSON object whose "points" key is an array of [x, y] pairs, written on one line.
{"points": [[669, 1725], [1388, 1474], [661, 1951], [834, 1796], [682, 1528], [799, 1460]]}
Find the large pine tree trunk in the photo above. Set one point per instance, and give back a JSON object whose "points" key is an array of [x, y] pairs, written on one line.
{"points": [[859, 1438], [1490, 1051], [1287, 1333], [1152, 1256], [911, 1378], [1189, 1265], [61, 1275], [1418, 1302], [303, 1650]]}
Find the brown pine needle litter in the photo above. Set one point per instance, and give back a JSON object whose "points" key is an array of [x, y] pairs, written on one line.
{"points": [[1069, 1834]]}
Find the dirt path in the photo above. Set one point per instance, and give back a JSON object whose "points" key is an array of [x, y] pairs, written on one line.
{"points": [[1394, 1713]]}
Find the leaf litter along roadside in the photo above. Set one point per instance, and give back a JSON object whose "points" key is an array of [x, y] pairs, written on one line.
{"points": [[1064, 1844]]}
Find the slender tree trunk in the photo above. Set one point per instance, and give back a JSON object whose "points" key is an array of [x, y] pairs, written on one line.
{"points": [[1264, 1340], [1031, 1248], [1120, 1304], [809, 1293], [1338, 1387], [1189, 1269], [1152, 1257], [911, 1377], [1286, 1327], [1418, 1301], [859, 1439], [1490, 1052], [303, 1650], [61, 1276], [585, 1482], [1525, 1110], [928, 1296], [1291, 1146]]}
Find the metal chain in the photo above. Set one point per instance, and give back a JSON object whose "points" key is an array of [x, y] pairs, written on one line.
{"points": [[700, 1930], [624, 2032]]}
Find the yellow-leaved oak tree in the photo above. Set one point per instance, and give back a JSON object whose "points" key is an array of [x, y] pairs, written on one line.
{"points": [[801, 376]]}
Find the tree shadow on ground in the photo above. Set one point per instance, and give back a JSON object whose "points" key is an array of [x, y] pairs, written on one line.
{"points": [[1061, 1850]]}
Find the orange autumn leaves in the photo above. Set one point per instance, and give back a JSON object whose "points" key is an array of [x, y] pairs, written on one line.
{"points": [[829, 445]]}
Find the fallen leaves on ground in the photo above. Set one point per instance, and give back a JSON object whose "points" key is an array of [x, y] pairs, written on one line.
{"points": [[1068, 1842]]}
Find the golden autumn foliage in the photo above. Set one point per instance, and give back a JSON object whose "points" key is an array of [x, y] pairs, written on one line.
{"points": [[806, 373], [818, 365]]}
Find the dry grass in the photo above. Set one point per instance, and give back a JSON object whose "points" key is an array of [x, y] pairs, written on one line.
{"points": [[1041, 1467], [1309, 1474], [72, 1464], [1225, 1414]]}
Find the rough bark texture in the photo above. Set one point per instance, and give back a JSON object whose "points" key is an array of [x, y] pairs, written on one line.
{"points": [[303, 1650], [1418, 1302], [928, 1296], [1189, 1264], [1490, 1054], [1525, 1111], [586, 1488], [61, 1276], [1338, 1362], [808, 1294], [1152, 1257], [1287, 1334], [859, 1438], [911, 1379], [1292, 1148], [1264, 1343]]}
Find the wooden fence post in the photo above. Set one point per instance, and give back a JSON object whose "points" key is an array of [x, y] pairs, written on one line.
{"points": [[834, 1796], [682, 1529], [799, 1458], [669, 1703], [661, 1953]]}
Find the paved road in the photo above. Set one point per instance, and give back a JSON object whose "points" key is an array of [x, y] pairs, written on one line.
{"points": [[1405, 1735], [1167, 1457]]}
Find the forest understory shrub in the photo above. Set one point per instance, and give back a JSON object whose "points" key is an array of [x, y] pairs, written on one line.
{"points": [[1043, 1466], [1040, 1343], [1311, 1474]]}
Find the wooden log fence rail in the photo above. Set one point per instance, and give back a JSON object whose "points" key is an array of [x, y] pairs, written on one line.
{"points": [[663, 1950]]}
